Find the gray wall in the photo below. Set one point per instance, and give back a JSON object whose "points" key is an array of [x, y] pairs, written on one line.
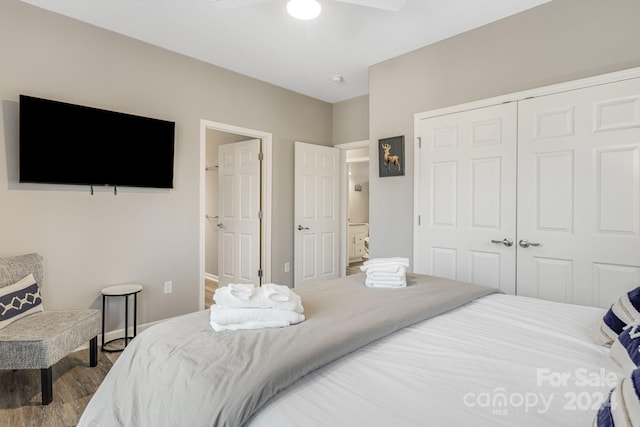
{"points": [[556, 42], [140, 236], [351, 120]]}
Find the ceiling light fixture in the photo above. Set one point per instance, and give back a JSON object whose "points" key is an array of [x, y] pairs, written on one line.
{"points": [[304, 9]]}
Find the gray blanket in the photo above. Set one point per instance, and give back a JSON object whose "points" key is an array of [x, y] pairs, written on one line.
{"points": [[182, 373]]}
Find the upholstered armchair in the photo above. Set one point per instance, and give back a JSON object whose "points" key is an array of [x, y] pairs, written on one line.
{"points": [[33, 338]]}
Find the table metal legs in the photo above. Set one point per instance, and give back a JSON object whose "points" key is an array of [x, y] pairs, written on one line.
{"points": [[126, 337]]}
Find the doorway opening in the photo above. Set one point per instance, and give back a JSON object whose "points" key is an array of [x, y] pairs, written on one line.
{"points": [[355, 202], [213, 224]]}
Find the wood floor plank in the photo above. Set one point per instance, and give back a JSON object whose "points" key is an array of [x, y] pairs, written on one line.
{"points": [[210, 287]]}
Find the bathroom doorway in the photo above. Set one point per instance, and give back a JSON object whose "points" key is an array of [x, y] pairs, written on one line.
{"points": [[355, 182], [216, 216]]}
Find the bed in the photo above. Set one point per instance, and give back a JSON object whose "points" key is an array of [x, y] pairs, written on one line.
{"points": [[438, 352]]}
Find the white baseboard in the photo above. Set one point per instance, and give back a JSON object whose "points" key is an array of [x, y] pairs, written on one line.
{"points": [[211, 277]]}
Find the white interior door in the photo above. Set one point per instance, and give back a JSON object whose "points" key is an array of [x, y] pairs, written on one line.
{"points": [[316, 213], [239, 212], [467, 197], [579, 194]]}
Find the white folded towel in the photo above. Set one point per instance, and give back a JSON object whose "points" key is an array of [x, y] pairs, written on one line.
{"points": [[396, 270], [386, 272], [393, 260], [270, 295], [278, 293], [242, 291], [252, 318], [249, 325], [384, 268], [383, 275], [396, 283]]}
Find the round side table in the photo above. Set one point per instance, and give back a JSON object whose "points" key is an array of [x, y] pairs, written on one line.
{"points": [[121, 291]]}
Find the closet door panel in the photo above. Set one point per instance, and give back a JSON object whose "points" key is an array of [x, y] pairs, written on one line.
{"points": [[579, 194], [554, 190], [467, 196]]}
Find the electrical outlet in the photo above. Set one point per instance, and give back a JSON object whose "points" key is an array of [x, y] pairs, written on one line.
{"points": [[168, 287], [287, 267]]}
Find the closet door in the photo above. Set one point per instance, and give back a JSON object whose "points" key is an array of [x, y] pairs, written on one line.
{"points": [[466, 197], [579, 194]]}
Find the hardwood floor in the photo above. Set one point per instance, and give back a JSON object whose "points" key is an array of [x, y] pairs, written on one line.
{"points": [[210, 287], [354, 268], [74, 383]]}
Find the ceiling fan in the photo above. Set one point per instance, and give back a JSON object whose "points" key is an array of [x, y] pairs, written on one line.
{"points": [[391, 5]]}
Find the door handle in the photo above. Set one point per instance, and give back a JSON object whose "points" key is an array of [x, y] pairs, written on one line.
{"points": [[221, 225], [524, 243], [506, 242], [300, 228]]}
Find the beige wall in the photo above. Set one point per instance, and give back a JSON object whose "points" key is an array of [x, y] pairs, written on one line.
{"points": [[141, 236], [559, 41], [351, 120]]}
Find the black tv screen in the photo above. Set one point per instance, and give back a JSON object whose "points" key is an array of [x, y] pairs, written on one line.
{"points": [[63, 143]]}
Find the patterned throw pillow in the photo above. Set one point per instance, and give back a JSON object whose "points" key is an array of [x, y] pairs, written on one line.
{"points": [[624, 311], [19, 300], [622, 407], [625, 349]]}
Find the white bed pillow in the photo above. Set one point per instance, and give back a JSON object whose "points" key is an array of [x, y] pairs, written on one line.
{"points": [[623, 404], [623, 312], [19, 300]]}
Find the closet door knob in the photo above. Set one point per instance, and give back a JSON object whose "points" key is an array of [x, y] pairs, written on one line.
{"points": [[300, 228], [524, 243], [506, 242]]}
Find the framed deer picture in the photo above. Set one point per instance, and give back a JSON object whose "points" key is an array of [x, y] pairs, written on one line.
{"points": [[391, 156]]}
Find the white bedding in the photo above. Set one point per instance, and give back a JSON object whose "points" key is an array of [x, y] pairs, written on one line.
{"points": [[182, 373], [500, 360]]}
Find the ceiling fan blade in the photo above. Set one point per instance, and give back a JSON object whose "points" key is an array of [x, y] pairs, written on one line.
{"points": [[232, 4], [393, 5]]}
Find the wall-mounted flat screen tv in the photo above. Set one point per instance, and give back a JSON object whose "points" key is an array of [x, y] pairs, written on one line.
{"points": [[63, 143]]}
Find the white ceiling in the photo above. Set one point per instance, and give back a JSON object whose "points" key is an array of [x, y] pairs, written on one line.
{"points": [[262, 41]]}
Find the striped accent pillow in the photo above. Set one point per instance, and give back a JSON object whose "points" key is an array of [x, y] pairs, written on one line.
{"points": [[622, 407], [19, 300], [625, 350], [623, 312]]}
